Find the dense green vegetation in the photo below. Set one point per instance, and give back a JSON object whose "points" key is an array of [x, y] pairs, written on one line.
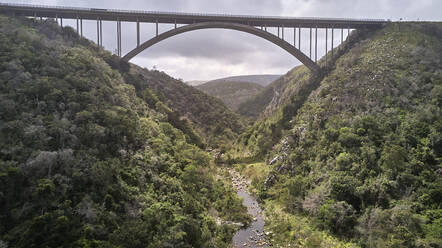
{"points": [[276, 104], [359, 157], [257, 104], [95, 152], [213, 123], [88, 158], [231, 93], [258, 139]]}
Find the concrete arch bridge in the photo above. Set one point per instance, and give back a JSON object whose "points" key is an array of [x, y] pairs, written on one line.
{"points": [[186, 22]]}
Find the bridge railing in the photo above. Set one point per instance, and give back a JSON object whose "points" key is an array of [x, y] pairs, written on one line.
{"points": [[117, 11]]}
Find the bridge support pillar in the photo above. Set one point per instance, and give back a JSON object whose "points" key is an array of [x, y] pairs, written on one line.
{"points": [[61, 22], [326, 38], [310, 43], [119, 38], [278, 31], [316, 44], [138, 33], [332, 38], [81, 28], [282, 31], [175, 23], [78, 27], [342, 35], [156, 25], [299, 38], [98, 32], [294, 37], [101, 33], [265, 26]]}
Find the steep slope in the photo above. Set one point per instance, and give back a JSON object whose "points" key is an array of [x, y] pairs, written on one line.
{"points": [[231, 93], [88, 160], [298, 82], [263, 103], [361, 158], [214, 122], [275, 105]]}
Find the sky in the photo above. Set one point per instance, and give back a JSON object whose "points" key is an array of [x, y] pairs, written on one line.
{"points": [[216, 53]]}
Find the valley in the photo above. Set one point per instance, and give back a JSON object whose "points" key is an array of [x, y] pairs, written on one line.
{"points": [[232, 94], [99, 152], [233, 91], [254, 234]]}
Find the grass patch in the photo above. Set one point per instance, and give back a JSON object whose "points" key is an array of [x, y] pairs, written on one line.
{"points": [[288, 230], [255, 172]]}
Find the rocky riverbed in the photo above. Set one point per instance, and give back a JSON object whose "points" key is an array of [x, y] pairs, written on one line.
{"points": [[254, 235]]}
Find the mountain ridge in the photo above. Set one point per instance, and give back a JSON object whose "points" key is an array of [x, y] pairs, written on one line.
{"points": [[261, 79], [358, 156], [231, 93], [235, 90]]}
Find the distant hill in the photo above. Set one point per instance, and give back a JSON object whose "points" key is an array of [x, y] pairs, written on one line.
{"points": [[231, 93], [262, 80], [195, 82], [269, 97]]}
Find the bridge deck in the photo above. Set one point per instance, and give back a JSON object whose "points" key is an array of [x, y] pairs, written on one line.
{"points": [[183, 18]]}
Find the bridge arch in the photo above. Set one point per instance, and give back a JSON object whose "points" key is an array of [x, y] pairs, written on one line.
{"points": [[227, 25]]}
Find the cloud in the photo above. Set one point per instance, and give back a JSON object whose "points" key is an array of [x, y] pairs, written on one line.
{"points": [[208, 54], [207, 68]]}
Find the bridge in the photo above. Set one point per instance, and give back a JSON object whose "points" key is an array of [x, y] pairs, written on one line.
{"points": [[186, 22]]}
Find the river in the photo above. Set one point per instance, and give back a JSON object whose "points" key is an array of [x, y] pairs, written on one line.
{"points": [[254, 235]]}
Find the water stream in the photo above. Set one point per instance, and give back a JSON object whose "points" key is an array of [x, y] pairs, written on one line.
{"points": [[254, 235]]}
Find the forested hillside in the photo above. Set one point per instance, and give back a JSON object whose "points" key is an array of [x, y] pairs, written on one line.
{"points": [[97, 152], [267, 100], [214, 123], [274, 107], [90, 157], [358, 160]]}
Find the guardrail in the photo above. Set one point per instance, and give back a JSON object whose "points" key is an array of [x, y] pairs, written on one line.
{"points": [[184, 14]]}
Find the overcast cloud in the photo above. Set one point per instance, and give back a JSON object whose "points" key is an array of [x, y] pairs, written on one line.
{"points": [[210, 54]]}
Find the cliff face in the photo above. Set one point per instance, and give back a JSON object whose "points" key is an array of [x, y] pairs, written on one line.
{"points": [[362, 155]]}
